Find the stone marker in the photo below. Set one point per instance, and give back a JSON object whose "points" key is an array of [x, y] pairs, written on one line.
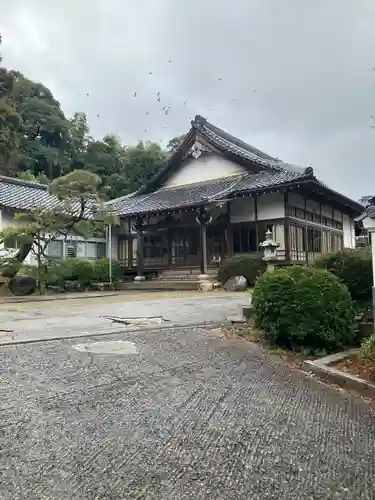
{"points": [[236, 284]]}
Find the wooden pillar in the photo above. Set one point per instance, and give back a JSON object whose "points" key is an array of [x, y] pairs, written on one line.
{"points": [[306, 234], [203, 249], [286, 227], [170, 237], [203, 218], [140, 250]]}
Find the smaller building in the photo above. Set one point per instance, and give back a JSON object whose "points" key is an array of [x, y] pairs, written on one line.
{"points": [[17, 196]]}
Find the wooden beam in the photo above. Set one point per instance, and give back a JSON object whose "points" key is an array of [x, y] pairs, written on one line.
{"points": [[286, 227]]}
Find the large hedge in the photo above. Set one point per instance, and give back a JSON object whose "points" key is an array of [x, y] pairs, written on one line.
{"points": [[304, 307], [250, 266], [81, 270], [353, 267]]}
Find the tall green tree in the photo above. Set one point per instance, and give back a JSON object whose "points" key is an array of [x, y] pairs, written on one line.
{"points": [[10, 122], [44, 134], [174, 143], [142, 162]]}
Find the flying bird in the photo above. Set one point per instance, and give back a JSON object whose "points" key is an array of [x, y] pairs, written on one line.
{"points": [[220, 79], [145, 129], [146, 113], [97, 115], [87, 94], [185, 103], [135, 94], [150, 73], [170, 60]]}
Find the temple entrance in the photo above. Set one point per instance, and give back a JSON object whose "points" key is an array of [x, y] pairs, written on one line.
{"points": [[185, 246], [217, 246]]}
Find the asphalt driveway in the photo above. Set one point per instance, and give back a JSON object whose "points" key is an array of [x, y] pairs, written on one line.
{"points": [[175, 414]]}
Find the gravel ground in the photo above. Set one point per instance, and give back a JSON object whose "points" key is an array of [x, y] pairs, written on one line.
{"points": [[190, 416]]}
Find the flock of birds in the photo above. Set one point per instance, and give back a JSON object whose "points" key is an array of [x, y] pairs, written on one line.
{"points": [[166, 108]]}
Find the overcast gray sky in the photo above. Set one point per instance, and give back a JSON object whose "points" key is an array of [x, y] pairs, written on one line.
{"points": [[297, 75]]}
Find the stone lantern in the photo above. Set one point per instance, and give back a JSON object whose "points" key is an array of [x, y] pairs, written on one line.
{"points": [[270, 250]]}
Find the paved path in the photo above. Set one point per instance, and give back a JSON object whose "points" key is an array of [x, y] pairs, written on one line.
{"points": [[190, 416], [46, 320]]}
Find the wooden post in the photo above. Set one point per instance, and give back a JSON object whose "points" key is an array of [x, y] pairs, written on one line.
{"points": [[306, 235], [286, 227], [140, 251], [203, 242], [203, 218]]}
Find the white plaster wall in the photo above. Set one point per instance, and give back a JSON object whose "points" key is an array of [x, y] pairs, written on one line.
{"points": [[206, 167], [242, 209], [6, 219], [349, 232], [271, 206]]}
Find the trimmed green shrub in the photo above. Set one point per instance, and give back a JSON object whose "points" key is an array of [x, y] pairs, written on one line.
{"points": [[71, 269], [304, 307], [250, 266], [367, 350], [101, 270], [354, 268]]}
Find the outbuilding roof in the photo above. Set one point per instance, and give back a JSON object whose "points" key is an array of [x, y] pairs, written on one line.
{"points": [[23, 195]]}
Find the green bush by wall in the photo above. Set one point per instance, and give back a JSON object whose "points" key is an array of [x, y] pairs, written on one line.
{"points": [[354, 268], [304, 307]]}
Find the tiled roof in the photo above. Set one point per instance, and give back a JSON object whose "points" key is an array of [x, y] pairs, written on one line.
{"points": [[253, 159], [233, 145], [369, 211], [367, 200], [18, 194], [190, 195]]}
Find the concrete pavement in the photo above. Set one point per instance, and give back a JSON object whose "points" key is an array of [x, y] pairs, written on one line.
{"points": [[48, 320]]}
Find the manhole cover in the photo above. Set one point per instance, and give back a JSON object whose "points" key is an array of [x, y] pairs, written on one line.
{"points": [[109, 347]]}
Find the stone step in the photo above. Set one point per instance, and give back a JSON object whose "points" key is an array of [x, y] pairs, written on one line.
{"points": [[154, 285]]}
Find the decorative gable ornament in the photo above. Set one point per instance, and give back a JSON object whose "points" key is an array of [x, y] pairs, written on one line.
{"points": [[197, 149]]}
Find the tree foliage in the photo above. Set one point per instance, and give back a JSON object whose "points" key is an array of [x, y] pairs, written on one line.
{"points": [[36, 137], [175, 143]]}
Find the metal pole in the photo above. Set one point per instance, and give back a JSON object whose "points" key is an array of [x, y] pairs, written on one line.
{"points": [[110, 252]]}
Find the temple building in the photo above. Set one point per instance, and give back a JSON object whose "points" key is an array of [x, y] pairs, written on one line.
{"points": [[216, 197]]}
